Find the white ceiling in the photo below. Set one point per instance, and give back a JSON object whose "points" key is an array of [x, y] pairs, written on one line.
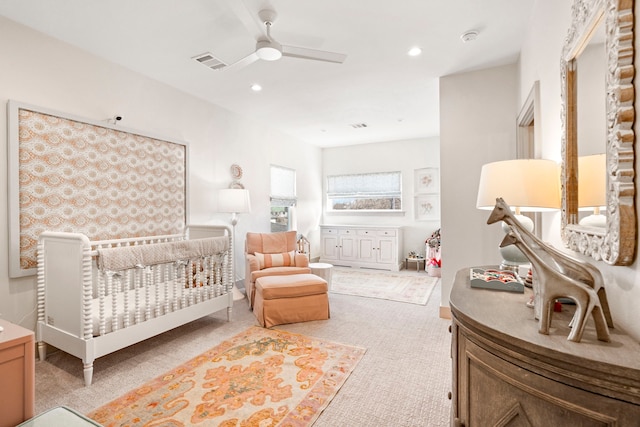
{"points": [[379, 85]]}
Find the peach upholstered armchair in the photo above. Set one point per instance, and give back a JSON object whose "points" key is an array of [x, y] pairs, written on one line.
{"points": [[271, 254]]}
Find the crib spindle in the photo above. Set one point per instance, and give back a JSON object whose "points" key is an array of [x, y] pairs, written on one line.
{"points": [[148, 282], [157, 279], [113, 291], [102, 327], [136, 285], [126, 283]]}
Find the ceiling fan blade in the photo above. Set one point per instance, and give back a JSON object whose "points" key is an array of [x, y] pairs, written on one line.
{"points": [[249, 59], [317, 55]]}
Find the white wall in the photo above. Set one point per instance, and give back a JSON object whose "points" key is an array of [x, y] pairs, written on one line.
{"points": [[404, 156], [43, 72], [540, 60], [477, 125]]}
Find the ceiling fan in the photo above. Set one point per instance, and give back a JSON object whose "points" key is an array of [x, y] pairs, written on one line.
{"points": [[269, 49]]}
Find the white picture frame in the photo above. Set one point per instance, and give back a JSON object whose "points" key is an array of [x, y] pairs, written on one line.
{"points": [[427, 207], [426, 180]]}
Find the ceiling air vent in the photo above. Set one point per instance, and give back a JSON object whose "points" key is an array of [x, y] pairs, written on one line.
{"points": [[359, 125], [210, 61]]}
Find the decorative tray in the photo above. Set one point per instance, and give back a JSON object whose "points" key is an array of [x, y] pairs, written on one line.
{"points": [[496, 279]]}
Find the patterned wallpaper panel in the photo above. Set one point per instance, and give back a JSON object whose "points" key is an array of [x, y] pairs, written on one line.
{"points": [[95, 180]]}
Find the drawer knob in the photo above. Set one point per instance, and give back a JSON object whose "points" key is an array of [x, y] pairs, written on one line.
{"points": [[449, 395], [449, 328]]}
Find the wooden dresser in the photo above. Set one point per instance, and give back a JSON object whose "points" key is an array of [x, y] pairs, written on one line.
{"points": [[17, 374], [505, 373]]}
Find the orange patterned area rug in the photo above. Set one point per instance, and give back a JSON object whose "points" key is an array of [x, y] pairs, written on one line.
{"points": [[261, 377], [402, 287]]}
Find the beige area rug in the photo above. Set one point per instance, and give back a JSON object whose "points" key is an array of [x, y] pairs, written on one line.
{"points": [[402, 287], [260, 377]]}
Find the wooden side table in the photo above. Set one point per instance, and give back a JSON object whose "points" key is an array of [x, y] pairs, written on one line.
{"points": [[17, 374], [417, 261]]}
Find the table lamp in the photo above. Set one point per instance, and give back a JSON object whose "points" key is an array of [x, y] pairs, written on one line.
{"points": [[234, 201], [592, 186], [527, 185]]}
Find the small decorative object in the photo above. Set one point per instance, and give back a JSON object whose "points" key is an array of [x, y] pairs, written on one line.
{"points": [[432, 245], [303, 246], [433, 241], [434, 266], [236, 171], [496, 279], [554, 284], [236, 174]]}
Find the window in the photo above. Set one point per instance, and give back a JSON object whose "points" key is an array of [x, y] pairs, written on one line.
{"points": [[380, 191], [283, 198]]}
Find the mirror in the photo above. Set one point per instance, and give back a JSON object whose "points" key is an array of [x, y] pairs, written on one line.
{"points": [[615, 242]]}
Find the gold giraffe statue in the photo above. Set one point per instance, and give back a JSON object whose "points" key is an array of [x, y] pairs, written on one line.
{"points": [[577, 270], [553, 284]]}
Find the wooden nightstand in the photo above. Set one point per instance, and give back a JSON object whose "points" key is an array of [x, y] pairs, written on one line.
{"points": [[17, 374]]}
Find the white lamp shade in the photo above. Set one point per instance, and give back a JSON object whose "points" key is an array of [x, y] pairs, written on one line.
{"points": [[528, 184], [592, 181], [234, 200]]}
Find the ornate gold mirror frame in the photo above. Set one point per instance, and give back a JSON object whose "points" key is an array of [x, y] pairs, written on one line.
{"points": [[615, 244]]}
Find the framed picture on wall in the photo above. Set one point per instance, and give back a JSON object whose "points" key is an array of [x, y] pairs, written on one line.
{"points": [[72, 174], [427, 180], [427, 207]]}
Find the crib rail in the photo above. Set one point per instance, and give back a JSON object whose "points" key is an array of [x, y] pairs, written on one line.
{"points": [[137, 294], [133, 241]]}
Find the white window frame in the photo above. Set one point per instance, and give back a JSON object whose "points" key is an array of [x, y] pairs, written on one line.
{"points": [[284, 194]]}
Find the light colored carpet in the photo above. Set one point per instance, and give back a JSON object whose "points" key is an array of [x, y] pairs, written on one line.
{"points": [[402, 380], [260, 377], [395, 286]]}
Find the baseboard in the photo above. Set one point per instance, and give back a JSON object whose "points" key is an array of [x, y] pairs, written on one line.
{"points": [[445, 312]]}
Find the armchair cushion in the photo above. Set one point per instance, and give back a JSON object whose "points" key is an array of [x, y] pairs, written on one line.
{"points": [[284, 259]]}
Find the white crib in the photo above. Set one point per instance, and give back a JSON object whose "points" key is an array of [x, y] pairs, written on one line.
{"points": [[89, 308]]}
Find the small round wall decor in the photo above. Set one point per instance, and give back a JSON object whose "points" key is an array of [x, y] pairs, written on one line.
{"points": [[236, 171]]}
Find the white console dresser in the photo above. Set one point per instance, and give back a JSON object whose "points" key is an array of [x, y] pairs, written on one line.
{"points": [[362, 246]]}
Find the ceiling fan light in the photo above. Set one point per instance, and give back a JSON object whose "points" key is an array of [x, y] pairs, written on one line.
{"points": [[267, 51]]}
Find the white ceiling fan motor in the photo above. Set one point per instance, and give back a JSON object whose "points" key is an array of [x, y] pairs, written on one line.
{"points": [[269, 49]]}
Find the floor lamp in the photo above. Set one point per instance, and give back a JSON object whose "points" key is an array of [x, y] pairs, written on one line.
{"points": [[527, 185], [234, 201]]}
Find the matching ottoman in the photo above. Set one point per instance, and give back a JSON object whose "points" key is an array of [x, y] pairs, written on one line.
{"points": [[290, 299]]}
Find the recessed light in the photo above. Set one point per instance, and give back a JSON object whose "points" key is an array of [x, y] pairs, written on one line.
{"points": [[256, 87], [414, 51]]}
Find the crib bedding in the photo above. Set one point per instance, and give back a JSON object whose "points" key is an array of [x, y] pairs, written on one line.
{"points": [[122, 258]]}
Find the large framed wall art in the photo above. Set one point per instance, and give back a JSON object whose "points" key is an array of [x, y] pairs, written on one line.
{"points": [[77, 175]]}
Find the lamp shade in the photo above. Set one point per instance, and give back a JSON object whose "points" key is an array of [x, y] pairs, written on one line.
{"points": [[531, 185], [234, 200], [592, 181]]}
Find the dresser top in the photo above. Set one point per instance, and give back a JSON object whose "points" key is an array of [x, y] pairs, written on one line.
{"points": [[13, 334], [502, 317]]}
